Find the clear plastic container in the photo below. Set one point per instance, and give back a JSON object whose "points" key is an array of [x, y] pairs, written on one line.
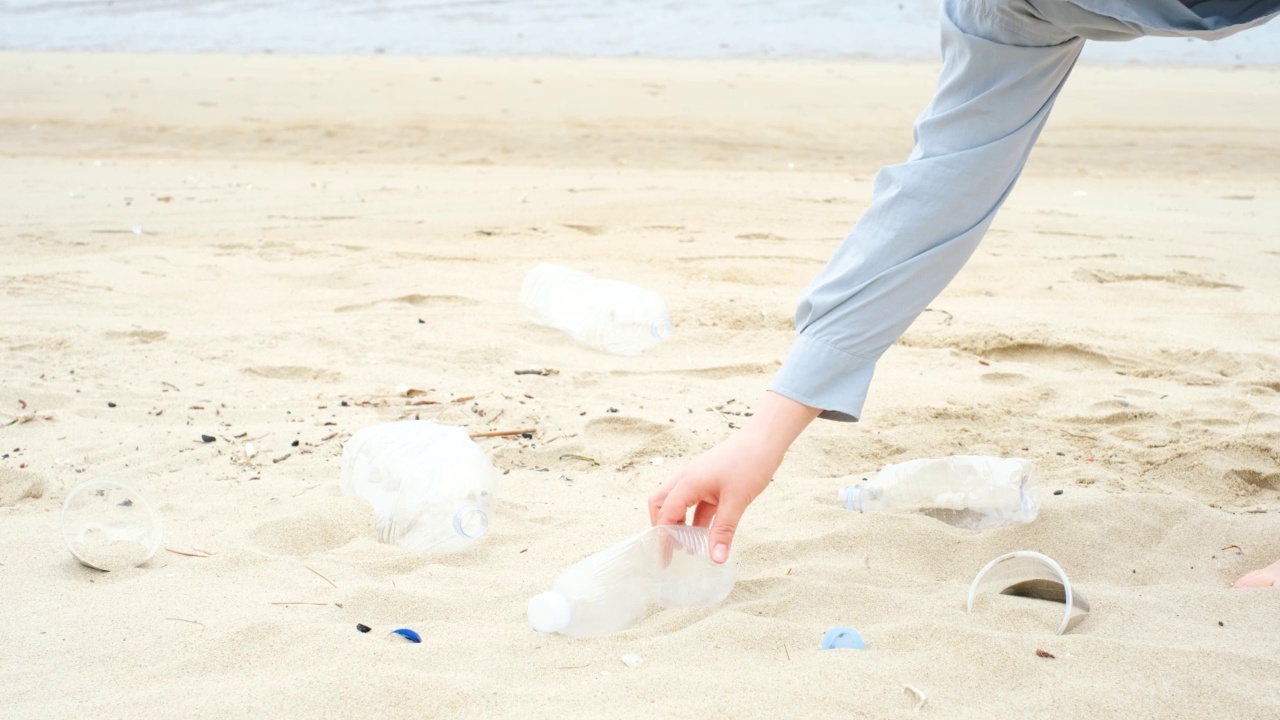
{"points": [[608, 315], [610, 591], [968, 491], [1029, 574], [431, 486], [108, 525]]}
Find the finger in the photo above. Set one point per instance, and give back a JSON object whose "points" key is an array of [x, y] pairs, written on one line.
{"points": [[675, 509], [720, 538], [658, 497], [703, 513]]}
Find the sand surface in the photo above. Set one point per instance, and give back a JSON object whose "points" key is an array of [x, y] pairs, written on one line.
{"points": [[267, 250]]}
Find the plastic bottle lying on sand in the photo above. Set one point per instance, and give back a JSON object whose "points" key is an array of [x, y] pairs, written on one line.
{"points": [[610, 591], [608, 315], [431, 487], [968, 491]]}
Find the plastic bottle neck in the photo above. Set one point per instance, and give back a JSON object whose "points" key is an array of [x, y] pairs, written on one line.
{"points": [[470, 521], [852, 497]]}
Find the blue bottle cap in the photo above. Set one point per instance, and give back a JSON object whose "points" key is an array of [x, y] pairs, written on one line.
{"points": [[404, 635], [840, 637]]}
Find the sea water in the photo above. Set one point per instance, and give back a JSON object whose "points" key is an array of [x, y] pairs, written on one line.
{"points": [[817, 29]]}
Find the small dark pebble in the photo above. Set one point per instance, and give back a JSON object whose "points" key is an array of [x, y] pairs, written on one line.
{"points": [[363, 628], [1057, 492], [1220, 624], [125, 503], [1061, 454], [4, 457], [111, 404], [293, 444], [527, 436], [207, 438], [1046, 654], [345, 404], [421, 321], [612, 410]]}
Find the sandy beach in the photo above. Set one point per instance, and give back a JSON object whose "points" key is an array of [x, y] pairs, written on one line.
{"points": [[270, 249]]}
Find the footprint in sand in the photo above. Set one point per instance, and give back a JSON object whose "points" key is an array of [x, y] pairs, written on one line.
{"points": [[755, 270], [1112, 412], [731, 316], [1177, 278], [719, 372], [1004, 378], [414, 301], [292, 372], [622, 427], [1229, 473], [1066, 356], [141, 337], [330, 524], [763, 597], [16, 486]]}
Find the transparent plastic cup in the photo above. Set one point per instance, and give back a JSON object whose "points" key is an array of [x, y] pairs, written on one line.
{"points": [[1025, 573], [108, 525]]}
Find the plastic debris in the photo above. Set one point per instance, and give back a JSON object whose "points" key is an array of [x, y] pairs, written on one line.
{"points": [[404, 635], [842, 638]]}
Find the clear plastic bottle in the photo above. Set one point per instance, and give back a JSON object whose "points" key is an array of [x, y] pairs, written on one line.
{"points": [[431, 486], [969, 491], [610, 591], [608, 315]]}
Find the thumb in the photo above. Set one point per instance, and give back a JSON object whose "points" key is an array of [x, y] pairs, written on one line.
{"points": [[725, 524]]}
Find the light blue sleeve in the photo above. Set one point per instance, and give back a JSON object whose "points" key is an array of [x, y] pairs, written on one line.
{"points": [[1002, 70]]}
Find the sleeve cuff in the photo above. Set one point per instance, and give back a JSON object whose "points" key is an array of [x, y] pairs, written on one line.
{"points": [[824, 377]]}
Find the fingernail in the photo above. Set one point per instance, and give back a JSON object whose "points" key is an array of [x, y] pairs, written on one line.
{"points": [[720, 553]]}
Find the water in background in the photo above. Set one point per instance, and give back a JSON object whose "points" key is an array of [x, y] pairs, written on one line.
{"points": [[822, 29]]}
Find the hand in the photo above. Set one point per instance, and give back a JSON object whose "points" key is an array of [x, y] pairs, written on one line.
{"points": [[722, 482]]}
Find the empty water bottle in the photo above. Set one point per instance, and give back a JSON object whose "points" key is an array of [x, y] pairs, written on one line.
{"points": [[966, 491], [431, 487], [610, 591], [607, 315]]}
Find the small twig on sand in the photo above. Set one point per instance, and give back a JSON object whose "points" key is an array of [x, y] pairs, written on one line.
{"points": [[193, 622], [313, 487], [538, 371], [584, 458], [26, 418], [1239, 550], [170, 385], [321, 576], [950, 317], [495, 417], [503, 433], [187, 554], [281, 459]]}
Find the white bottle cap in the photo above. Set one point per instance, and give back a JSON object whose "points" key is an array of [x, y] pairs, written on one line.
{"points": [[549, 612]]}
